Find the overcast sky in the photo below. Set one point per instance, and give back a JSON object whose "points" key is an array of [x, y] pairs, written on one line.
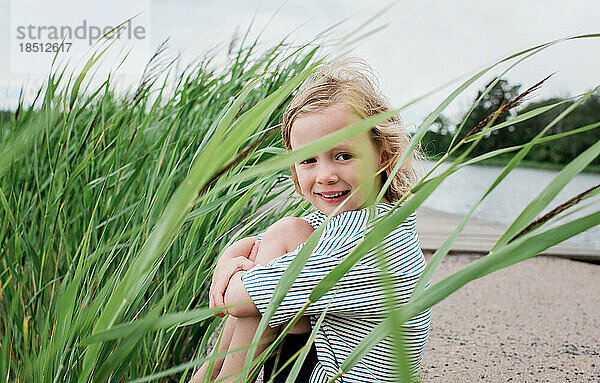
{"points": [[425, 43]]}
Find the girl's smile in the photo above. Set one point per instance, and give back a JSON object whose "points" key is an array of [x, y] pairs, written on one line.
{"points": [[328, 179]]}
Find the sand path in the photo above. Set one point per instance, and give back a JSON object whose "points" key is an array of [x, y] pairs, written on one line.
{"points": [[537, 321]]}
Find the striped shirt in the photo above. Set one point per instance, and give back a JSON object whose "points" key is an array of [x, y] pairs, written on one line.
{"points": [[357, 302]]}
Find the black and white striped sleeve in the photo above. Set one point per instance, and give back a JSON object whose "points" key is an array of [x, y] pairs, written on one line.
{"points": [[358, 294]]}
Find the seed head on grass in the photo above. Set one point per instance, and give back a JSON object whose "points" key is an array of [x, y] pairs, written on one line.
{"points": [[506, 107], [556, 211]]}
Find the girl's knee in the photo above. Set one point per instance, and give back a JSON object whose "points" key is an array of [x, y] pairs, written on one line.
{"points": [[282, 237], [291, 229]]}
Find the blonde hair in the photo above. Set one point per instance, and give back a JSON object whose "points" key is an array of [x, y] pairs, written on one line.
{"points": [[352, 83]]}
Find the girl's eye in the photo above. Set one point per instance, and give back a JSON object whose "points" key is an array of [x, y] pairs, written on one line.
{"points": [[344, 156], [308, 161]]}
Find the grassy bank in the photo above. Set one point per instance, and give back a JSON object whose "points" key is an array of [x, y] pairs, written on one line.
{"points": [[91, 175]]}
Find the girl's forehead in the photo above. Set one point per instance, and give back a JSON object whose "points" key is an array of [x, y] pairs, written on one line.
{"points": [[312, 126], [354, 143]]}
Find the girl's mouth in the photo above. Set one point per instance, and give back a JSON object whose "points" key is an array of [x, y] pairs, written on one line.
{"points": [[331, 197]]}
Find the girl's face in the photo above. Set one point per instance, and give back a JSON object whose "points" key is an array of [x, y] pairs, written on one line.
{"points": [[328, 178]]}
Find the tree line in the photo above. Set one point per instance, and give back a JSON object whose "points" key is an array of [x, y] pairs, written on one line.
{"points": [[556, 152]]}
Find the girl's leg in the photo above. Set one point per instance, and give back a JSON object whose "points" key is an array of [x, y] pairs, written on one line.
{"points": [[244, 332], [228, 329], [282, 237]]}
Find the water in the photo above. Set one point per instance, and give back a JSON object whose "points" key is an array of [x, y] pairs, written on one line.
{"points": [[459, 192]]}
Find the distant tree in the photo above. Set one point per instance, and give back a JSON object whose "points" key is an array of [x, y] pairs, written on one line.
{"points": [[438, 138], [563, 150], [501, 93]]}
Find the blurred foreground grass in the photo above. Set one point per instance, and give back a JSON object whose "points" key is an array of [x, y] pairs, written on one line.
{"points": [[90, 176], [114, 209]]}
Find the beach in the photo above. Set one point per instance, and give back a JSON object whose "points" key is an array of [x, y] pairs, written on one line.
{"points": [[536, 321]]}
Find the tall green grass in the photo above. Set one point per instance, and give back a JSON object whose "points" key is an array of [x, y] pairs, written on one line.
{"points": [[93, 232], [115, 208]]}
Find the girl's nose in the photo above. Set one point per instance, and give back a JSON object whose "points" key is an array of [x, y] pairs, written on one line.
{"points": [[327, 175]]}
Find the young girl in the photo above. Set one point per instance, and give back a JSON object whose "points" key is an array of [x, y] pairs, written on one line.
{"points": [[351, 172]]}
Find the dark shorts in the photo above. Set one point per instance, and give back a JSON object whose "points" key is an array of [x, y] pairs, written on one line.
{"points": [[289, 346]]}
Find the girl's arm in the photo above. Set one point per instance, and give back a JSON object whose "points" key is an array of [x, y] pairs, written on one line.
{"points": [[236, 294], [280, 238], [239, 256]]}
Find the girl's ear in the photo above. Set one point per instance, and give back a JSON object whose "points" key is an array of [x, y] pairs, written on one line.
{"points": [[383, 156], [382, 159], [295, 180]]}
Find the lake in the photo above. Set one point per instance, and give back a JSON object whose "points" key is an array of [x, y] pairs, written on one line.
{"points": [[459, 192]]}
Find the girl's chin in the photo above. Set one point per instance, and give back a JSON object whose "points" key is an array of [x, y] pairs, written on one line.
{"points": [[328, 209]]}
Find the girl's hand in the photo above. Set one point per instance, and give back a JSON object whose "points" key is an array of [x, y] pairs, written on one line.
{"points": [[254, 251], [223, 273]]}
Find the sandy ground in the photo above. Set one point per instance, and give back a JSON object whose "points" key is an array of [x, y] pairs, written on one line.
{"points": [[537, 321]]}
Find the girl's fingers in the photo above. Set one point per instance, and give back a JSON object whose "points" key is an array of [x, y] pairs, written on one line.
{"points": [[221, 278], [254, 251], [243, 263], [218, 295], [215, 299], [214, 303]]}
